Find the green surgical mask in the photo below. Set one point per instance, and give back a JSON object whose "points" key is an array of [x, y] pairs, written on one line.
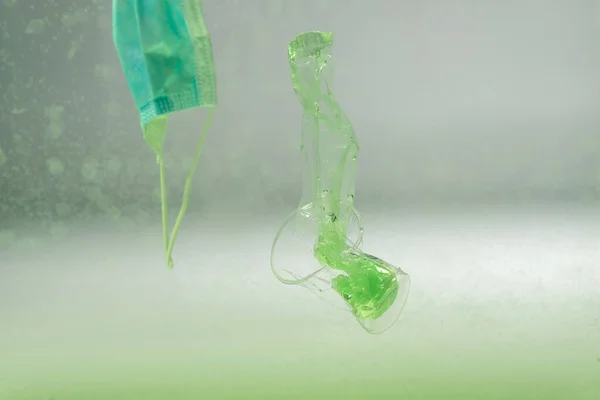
{"points": [[166, 55]]}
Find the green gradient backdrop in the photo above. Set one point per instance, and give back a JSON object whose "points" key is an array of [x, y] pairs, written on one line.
{"points": [[484, 320], [470, 104]]}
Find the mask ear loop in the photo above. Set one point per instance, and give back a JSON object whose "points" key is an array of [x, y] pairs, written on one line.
{"points": [[154, 134], [188, 187]]}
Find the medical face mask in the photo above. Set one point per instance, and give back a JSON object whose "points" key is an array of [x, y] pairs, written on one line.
{"points": [[166, 55]]}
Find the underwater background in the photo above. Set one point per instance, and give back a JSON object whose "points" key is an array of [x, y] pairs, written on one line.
{"points": [[479, 175]]}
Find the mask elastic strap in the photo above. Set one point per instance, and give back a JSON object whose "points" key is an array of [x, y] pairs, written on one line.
{"points": [[154, 133]]}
